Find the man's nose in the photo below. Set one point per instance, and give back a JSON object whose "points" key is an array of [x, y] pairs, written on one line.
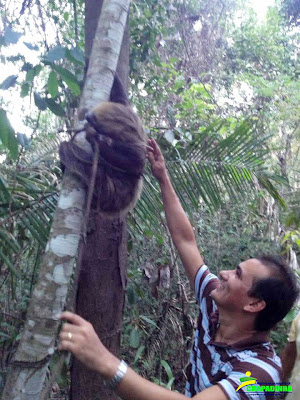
{"points": [[223, 275]]}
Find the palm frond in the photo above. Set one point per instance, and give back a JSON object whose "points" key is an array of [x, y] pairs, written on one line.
{"points": [[212, 169], [28, 196]]}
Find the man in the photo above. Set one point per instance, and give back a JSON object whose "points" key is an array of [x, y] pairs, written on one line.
{"points": [[236, 313], [291, 360]]}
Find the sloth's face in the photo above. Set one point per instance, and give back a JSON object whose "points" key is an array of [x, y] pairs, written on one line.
{"points": [[92, 120]]}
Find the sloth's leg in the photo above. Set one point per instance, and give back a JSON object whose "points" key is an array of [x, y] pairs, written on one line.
{"points": [[128, 158]]}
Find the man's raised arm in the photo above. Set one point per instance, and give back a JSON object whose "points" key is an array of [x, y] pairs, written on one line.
{"points": [[179, 226]]}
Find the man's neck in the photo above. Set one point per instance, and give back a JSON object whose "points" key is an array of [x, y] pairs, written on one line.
{"points": [[233, 328]]}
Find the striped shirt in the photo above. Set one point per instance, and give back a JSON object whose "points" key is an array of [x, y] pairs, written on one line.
{"points": [[218, 363]]}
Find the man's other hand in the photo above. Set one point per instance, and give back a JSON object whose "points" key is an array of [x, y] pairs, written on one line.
{"points": [[157, 160]]}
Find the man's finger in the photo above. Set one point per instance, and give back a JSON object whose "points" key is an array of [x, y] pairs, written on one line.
{"points": [[150, 156], [156, 148], [66, 345], [69, 328], [73, 318], [67, 336]]}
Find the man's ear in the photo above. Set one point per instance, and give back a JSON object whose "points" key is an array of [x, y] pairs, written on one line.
{"points": [[255, 305]]}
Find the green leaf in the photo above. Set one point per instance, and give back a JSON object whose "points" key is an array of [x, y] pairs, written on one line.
{"points": [[148, 320], [8, 82], [10, 241], [76, 55], [23, 140], [169, 136], [170, 383], [11, 37], [3, 189], [69, 79], [39, 101], [55, 54], [55, 107], [134, 338], [138, 354], [167, 368], [24, 90], [7, 135], [31, 46], [32, 73], [291, 315], [131, 296], [52, 84], [10, 265], [26, 67]]}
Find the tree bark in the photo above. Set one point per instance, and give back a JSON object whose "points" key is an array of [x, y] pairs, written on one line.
{"points": [[27, 374], [102, 279]]}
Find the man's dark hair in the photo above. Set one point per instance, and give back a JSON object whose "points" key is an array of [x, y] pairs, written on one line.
{"points": [[279, 291]]}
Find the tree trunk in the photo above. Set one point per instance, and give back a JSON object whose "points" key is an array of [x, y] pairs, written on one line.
{"points": [[100, 299], [102, 279], [27, 375]]}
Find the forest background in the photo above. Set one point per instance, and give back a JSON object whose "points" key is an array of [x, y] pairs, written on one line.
{"points": [[215, 84]]}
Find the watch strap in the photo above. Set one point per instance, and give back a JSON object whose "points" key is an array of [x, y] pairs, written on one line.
{"points": [[118, 377]]}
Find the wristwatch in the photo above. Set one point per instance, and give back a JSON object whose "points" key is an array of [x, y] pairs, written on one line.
{"points": [[119, 375]]}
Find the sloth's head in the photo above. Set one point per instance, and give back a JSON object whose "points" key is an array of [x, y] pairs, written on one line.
{"points": [[117, 121]]}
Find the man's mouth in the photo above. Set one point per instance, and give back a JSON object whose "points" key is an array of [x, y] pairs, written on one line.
{"points": [[221, 285]]}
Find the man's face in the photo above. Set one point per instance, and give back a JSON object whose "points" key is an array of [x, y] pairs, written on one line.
{"points": [[232, 294]]}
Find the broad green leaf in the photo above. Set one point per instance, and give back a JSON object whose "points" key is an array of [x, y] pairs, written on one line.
{"points": [[27, 66], [138, 354], [55, 107], [52, 84], [131, 296], [8, 82], [76, 55], [32, 73], [134, 338], [31, 46], [39, 101], [11, 37], [169, 136], [148, 320], [23, 140], [7, 135], [24, 90], [55, 54], [69, 79]]}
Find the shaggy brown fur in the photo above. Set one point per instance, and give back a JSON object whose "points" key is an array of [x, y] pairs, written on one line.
{"points": [[119, 135]]}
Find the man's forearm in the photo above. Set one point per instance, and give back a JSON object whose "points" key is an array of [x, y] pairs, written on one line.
{"points": [[134, 387], [178, 223]]}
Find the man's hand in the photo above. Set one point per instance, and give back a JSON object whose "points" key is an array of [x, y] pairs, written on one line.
{"points": [[157, 160], [80, 338]]}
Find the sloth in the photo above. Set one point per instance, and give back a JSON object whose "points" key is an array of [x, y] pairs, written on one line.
{"points": [[118, 134]]}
